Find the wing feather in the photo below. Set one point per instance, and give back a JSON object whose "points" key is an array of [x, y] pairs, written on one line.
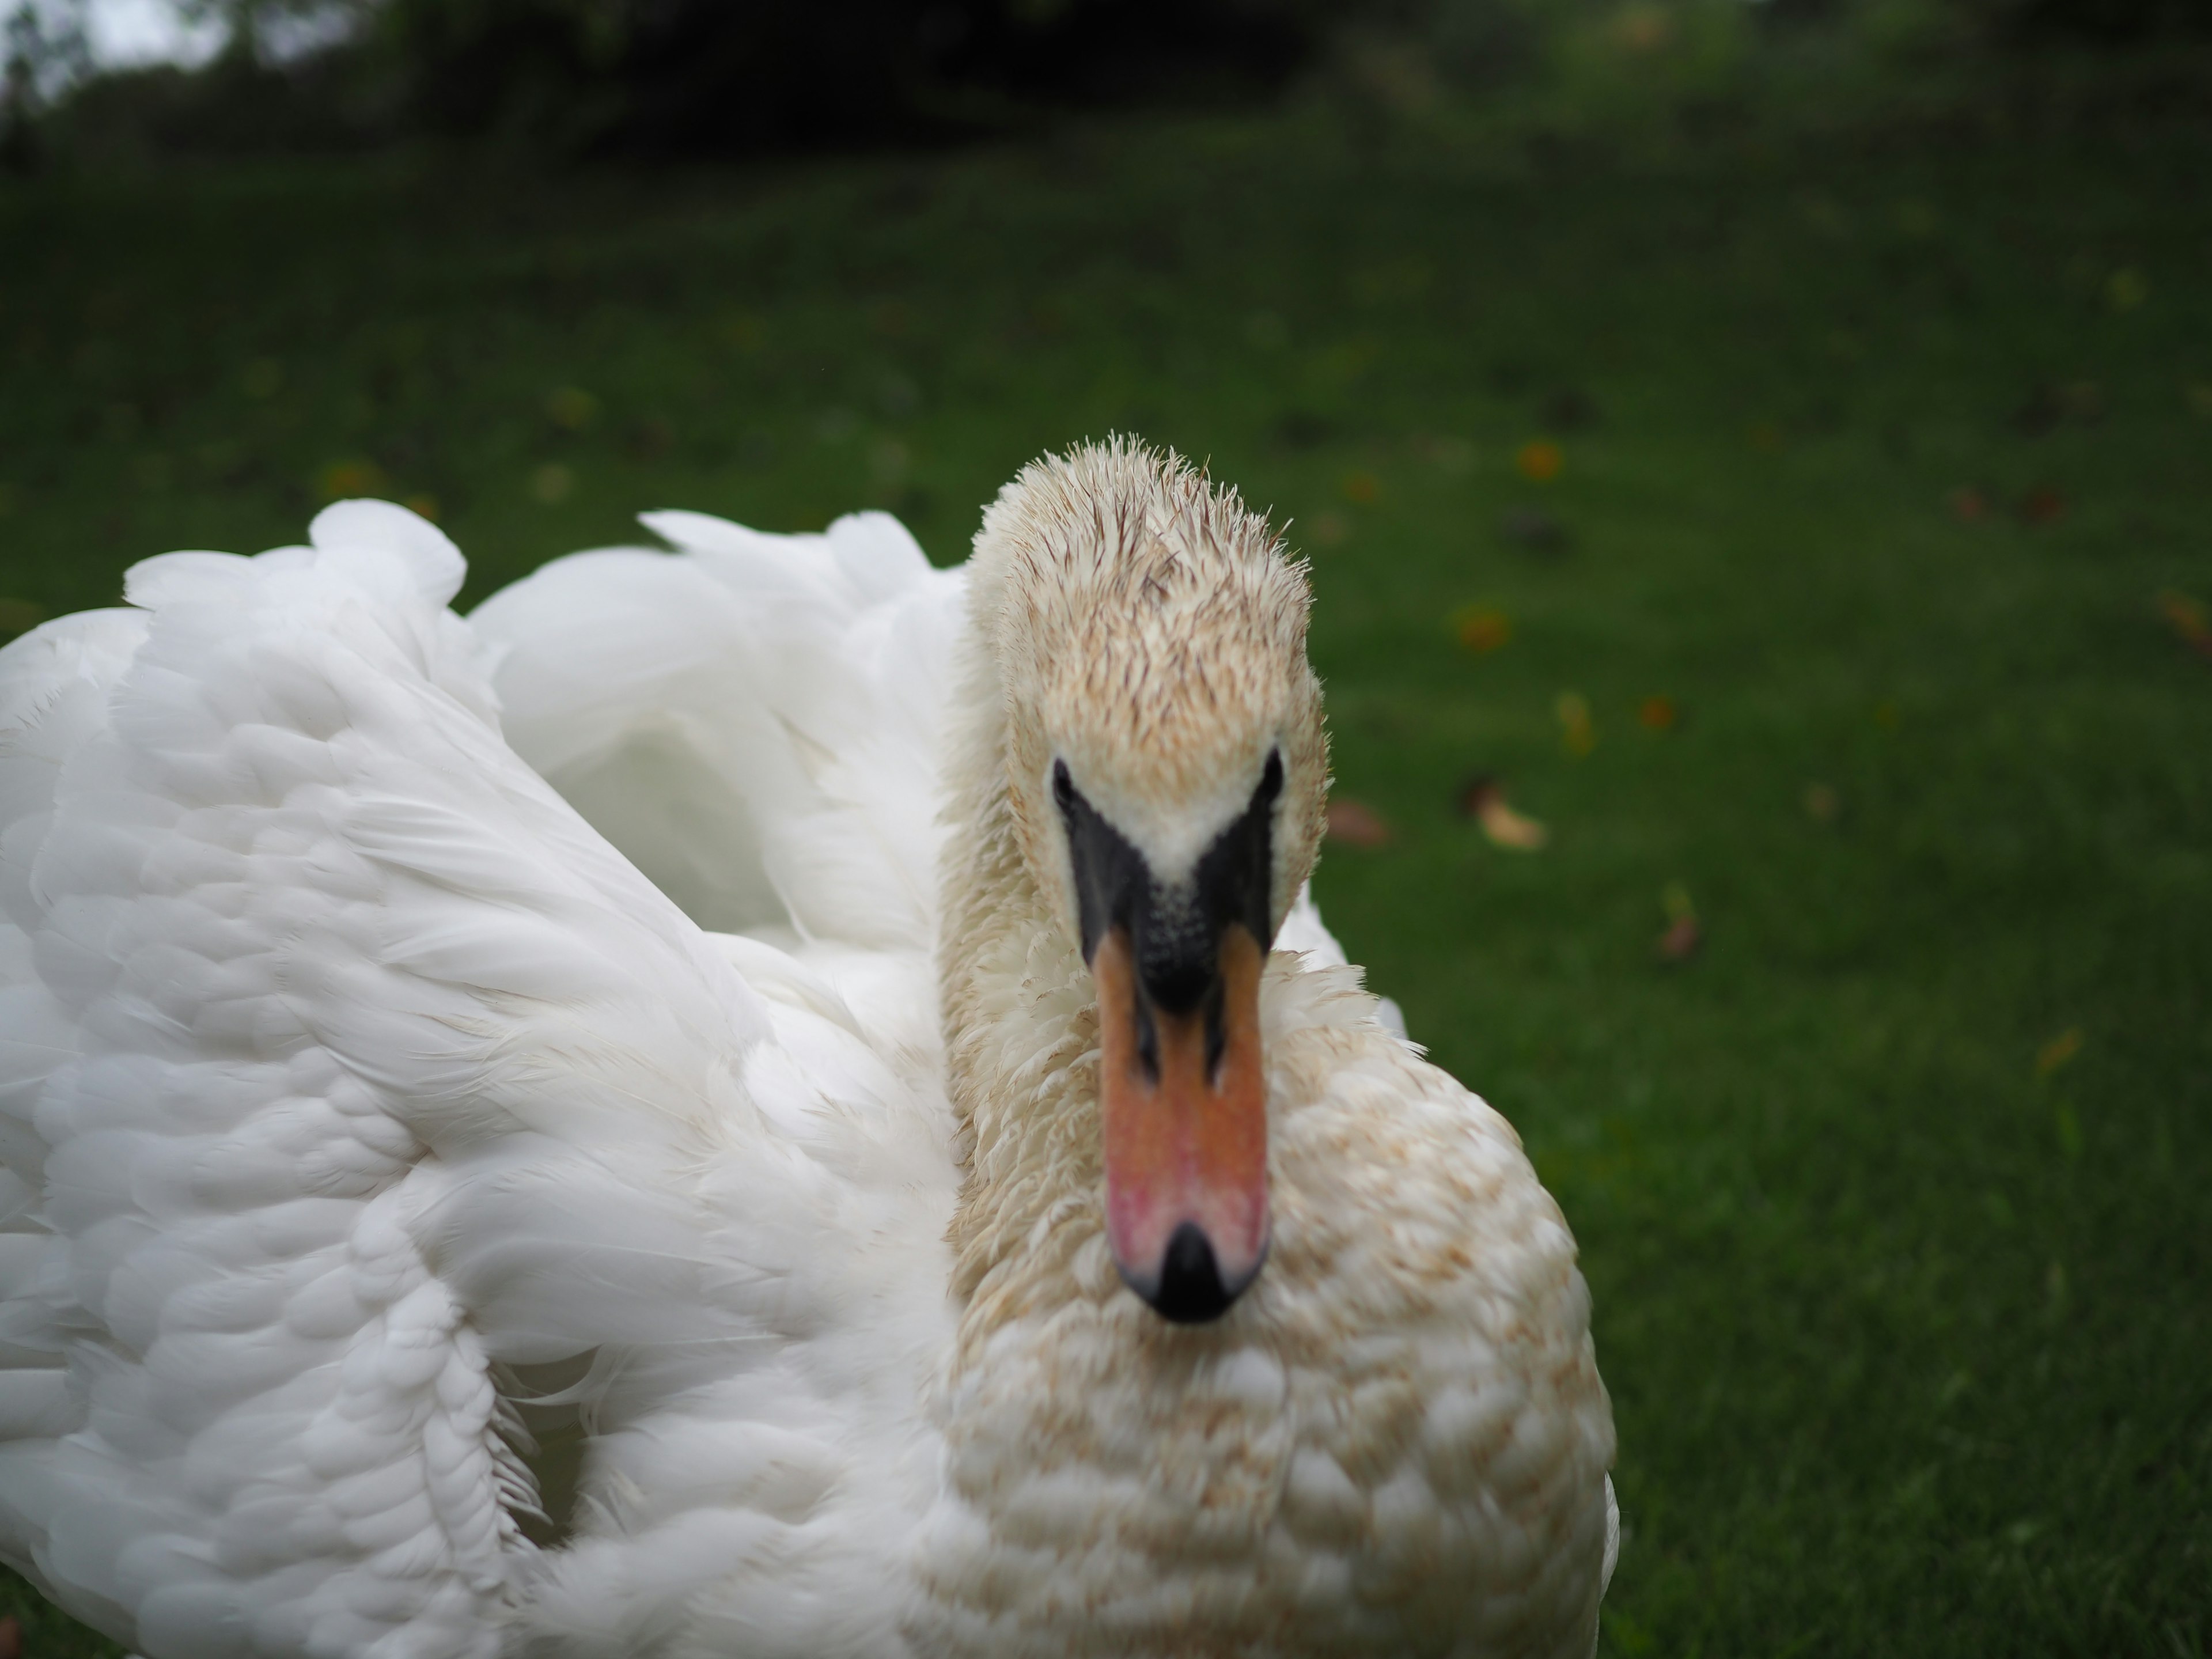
{"points": [[754, 719], [342, 1066]]}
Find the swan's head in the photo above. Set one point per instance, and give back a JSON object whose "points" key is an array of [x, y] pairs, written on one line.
{"points": [[1167, 769]]}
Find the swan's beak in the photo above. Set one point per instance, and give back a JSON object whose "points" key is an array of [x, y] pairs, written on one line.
{"points": [[1182, 1098], [1184, 1111]]}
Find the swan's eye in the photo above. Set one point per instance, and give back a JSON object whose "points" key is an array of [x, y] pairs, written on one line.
{"points": [[1063, 787], [1271, 779]]}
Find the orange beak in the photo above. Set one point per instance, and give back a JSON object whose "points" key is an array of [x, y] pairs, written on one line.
{"points": [[1184, 1111]]}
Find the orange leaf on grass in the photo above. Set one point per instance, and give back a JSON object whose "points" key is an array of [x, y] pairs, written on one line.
{"points": [[1356, 823], [2056, 1052], [1684, 935], [1481, 629], [1484, 800], [2191, 620], [1540, 460]]}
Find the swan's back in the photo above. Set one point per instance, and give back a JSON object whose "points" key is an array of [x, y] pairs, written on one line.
{"points": [[754, 721]]}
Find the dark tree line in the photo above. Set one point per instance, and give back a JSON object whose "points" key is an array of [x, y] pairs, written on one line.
{"points": [[713, 78]]}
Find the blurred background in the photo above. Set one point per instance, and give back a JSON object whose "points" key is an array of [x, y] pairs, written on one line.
{"points": [[1756, 461]]}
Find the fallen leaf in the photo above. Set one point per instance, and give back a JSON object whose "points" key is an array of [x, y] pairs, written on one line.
{"points": [[1540, 460], [1576, 730], [552, 483], [571, 408], [1362, 487], [1968, 504], [2041, 410], [345, 480], [1683, 935], [1822, 803], [2191, 620], [1657, 714], [2056, 1052], [1481, 629], [1533, 528], [1681, 940], [1484, 800], [1642, 28], [1356, 823], [1452, 454], [649, 440], [2042, 505], [1569, 410]]}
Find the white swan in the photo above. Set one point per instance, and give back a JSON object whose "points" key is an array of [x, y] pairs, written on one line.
{"points": [[366, 1110]]}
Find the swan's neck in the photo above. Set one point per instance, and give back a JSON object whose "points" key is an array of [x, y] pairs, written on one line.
{"points": [[1020, 1028]]}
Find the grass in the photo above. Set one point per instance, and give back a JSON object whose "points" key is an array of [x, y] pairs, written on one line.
{"points": [[1891, 1195]]}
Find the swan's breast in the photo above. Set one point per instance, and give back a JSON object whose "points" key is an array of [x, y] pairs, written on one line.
{"points": [[1397, 1443]]}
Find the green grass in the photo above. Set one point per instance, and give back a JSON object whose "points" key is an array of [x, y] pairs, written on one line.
{"points": [[1908, 1340]]}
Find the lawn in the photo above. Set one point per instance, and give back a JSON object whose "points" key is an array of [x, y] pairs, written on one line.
{"points": [[1875, 455]]}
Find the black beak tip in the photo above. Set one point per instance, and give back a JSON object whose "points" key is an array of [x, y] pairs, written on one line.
{"points": [[1189, 1290]]}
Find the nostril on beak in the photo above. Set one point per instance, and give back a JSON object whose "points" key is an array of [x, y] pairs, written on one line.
{"points": [[1190, 1290]]}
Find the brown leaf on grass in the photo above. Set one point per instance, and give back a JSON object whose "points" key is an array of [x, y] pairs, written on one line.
{"points": [[1682, 939], [1533, 528], [1483, 799], [1356, 823], [2056, 1052], [1968, 504], [345, 480], [2191, 620], [571, 408], [1577, 731], [1683, 935], [1658, 713], [1569, 410], [1540, 460], [1481, 629]]}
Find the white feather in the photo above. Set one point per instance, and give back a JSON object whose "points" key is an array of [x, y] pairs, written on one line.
{"points": [[375, 1107]]}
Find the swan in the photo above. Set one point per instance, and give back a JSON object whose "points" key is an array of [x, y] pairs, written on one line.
{"points": [[741, 1102]]}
